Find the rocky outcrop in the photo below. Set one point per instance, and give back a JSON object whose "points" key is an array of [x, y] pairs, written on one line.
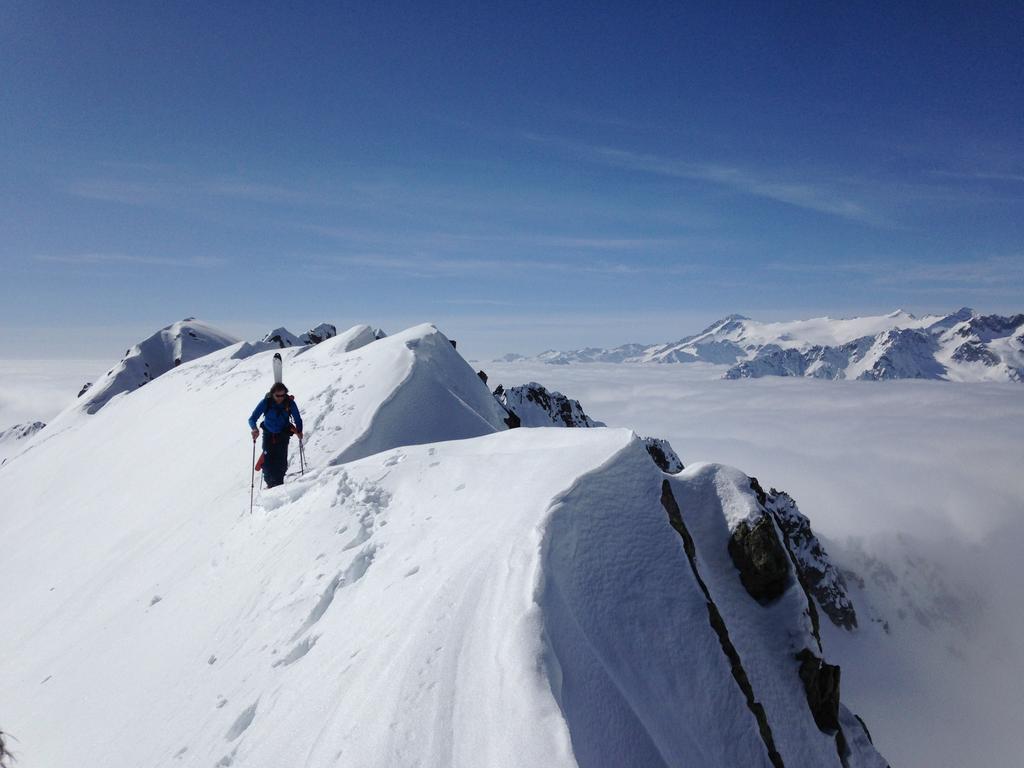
{"points": [[821, 684], [21, 431], [760, 558], [536, 406], [14, 439], [822, 578], [322, 332], [661, 451], [284, 338]]}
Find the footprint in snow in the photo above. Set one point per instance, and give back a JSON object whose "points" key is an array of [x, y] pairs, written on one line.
{"points": [[297, 652], [242, 722]]}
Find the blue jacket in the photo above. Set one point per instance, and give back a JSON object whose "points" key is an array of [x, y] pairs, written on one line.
{"points": [[275, 417]]}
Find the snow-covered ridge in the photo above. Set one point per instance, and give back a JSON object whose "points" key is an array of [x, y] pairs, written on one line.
{"points": [[961, 346], [436, 589], [16, 437]]}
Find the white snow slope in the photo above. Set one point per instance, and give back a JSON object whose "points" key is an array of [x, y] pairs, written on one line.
{"points": [[517, 598]]}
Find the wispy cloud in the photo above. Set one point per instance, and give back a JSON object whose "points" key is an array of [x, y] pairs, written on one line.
{"points": [[426, 265], [815, 196], [482, 303], [163, 192], [993, 272], [546, 241], [1017, 178], [83, 259]]}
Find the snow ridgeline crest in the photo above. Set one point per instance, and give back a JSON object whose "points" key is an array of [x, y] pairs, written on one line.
{"points": [[284, 338], [960, 346], [179, 343], [518, 626]]}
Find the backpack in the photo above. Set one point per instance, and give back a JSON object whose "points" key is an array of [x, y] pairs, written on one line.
{"points": [[285, 406]]}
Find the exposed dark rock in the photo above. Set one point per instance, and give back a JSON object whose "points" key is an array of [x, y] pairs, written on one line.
{"points": [[85, 388], [482, 375], [821, 684], [322, 332], [976, 352], [814, 568], [865, 727], [177, 362], [454, 345], [770, 360], [21, 431], [6, 758], [675, 517], [284, 338], [760, 558], [512, 421], [755, 486], [661, 451], [537, 407]]}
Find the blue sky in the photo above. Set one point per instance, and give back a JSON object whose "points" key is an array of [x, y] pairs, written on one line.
{"points": [[552, 175]]}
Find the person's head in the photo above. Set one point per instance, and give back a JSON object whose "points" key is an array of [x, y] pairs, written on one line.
{"points": [[279, 392]]}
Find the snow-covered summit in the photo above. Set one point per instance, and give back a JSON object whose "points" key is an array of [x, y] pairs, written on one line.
{"points": [[436, 589], [169, 347]]}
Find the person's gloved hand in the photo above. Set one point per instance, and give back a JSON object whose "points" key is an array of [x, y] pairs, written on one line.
{"points": [[255, 434], [299, 435]]}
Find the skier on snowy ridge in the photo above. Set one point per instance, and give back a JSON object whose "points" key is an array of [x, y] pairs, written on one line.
{"points": [[277, 409]]}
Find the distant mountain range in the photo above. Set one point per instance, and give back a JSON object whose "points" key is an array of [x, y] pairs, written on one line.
{"points": [[961, 346]]}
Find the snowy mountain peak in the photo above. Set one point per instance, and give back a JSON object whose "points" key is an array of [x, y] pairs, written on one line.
{"points": [[178, 343], [726, 324]]}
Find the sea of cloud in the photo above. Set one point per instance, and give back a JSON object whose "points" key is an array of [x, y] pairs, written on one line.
{"points": [[36, 390], [860, 457]]}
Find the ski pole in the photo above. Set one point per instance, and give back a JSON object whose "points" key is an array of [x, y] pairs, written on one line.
{"points": [[302, 458], [252, 483]]}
